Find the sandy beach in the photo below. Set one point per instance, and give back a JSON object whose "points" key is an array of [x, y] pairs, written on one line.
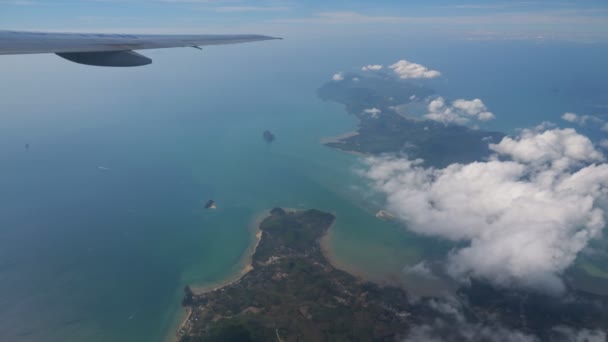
{"points": [[325, 244], [338, 138], [254, 226]]}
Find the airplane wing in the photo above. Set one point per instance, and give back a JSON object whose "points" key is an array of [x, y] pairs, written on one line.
{"points": [[108, 49]]}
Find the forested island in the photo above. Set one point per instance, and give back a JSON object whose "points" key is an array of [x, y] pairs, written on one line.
{"points": [[383, 130], [268, 136]]}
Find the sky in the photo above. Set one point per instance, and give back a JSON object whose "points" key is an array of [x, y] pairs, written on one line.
{"points": [[585, 21]]}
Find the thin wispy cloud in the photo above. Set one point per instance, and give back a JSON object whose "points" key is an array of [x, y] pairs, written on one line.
{"points": [[552, 17], [476, 21], [565, 24], [19, 2], [187, 1], [240, 9], [488, 6]]}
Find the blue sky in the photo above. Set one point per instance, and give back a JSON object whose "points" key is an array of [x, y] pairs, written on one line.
{"points": [[571, 20]]}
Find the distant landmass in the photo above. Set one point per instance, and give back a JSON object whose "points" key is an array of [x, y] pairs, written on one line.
{"points": [[382, 129], [268, 136], [210, 205]]}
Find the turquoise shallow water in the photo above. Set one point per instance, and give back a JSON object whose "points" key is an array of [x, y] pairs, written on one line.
{"points": [[102, 220]]}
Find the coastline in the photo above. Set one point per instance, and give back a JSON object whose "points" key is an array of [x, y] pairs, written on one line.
{"points": [[333, 142], [412, 284], [355, 153], [294, 290], [324, 245], [247, 263], [328, 253], [338, 138]]}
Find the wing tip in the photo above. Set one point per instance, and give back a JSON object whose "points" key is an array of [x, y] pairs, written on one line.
{"points": [[271, 38]]}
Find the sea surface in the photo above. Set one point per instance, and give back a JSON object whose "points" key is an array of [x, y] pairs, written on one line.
{"points": [[102, 221]]}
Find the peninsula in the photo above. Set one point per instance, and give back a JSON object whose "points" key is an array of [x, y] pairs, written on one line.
{"points": [[294, 293], [384, 128], [291, 292]]}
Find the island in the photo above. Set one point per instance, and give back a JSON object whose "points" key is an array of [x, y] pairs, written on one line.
{"points": [[383, 128], [210, 205], [293, 293], [268, 136]]}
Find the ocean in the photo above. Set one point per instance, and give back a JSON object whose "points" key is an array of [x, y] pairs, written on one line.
{"points": [[102, 219]]}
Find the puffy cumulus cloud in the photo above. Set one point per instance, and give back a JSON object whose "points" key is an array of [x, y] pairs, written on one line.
{"points": [[570, 117], [474, 108], [406, 70], [338, 77], [458, 112], [421, 269], [374, 112], [583, 120], [374, 67], [562, 148], [524, 215]]}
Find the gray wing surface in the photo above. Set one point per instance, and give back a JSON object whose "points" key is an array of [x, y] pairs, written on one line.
{"points": [[108, 49]]}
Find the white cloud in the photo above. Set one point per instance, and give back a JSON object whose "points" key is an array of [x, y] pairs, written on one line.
{"points": [[466, 332], [570, 117], [20, 2], [452, 325], [524, 219], [486, 116], [458, 112], [338, 77], [563, 17], [182, 1], [421, 269], [583, 335], [374, 67], [561, 148], [474, 108], [582, 120], [239, 9], [374, 112], [406, 70]]}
